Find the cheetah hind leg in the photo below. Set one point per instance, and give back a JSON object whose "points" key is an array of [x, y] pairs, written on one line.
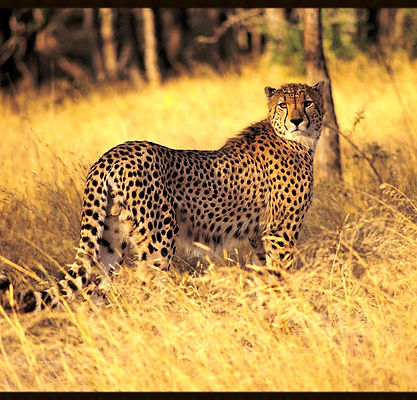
{"points": [[153, 240], [94, 275], [113, 249]]}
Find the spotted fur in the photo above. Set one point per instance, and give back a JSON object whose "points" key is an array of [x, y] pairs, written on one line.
{"points": [[150, 198]]}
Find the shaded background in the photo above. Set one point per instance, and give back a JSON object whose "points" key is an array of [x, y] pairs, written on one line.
{"points": [[83, 46]]}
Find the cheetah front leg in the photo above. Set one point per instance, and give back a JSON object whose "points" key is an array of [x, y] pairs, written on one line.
{"points": [[273, 251], [279, 250], [279, 240], [258, 248]]}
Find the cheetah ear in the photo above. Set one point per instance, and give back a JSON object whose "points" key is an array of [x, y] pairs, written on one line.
{"points": [[269, 91], [319, 86]]}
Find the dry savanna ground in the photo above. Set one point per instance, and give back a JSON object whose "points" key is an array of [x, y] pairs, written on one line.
{"points": [[345, 320]]}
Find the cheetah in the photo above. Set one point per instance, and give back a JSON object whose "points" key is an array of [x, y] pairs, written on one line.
{"points": [[140, 195]]}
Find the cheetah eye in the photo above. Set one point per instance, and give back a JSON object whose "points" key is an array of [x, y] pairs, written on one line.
{"points": [[283, 105], [308, 103]]}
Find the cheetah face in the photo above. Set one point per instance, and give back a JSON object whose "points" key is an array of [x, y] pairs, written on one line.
{"points": [[296, 111]]}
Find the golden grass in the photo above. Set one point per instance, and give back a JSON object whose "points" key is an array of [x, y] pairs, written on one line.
{"points": [[345, 320]]}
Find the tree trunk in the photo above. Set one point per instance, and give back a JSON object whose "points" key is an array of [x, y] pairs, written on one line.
{"points": [[275, 22], [203, 22], [151, 52], [109, 47], [388, 29], [328, 151], [174, 38], [92, 35]]}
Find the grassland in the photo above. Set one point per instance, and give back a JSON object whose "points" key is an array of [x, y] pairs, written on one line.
{"points": [[345, 320]]}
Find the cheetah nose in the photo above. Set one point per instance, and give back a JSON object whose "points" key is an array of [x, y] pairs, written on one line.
{"points": [[296, 121]]}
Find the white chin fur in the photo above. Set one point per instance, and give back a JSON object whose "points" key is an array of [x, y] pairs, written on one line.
{"points": [[301, 137]]}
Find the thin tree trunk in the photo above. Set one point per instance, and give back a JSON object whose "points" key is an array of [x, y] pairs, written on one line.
{"points": [[151, 53], [274, 22], [388, 28], [130, 55], [92, 34], [174, 38], [125, 35], [328, 151], [109, 47]]}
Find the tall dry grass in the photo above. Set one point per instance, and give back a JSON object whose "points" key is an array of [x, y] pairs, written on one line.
{"points": [[346, 319]]}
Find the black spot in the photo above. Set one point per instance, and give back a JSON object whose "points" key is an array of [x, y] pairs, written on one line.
{"points": [[216, 239], [61, 290], [4, 283], [29, 302], [72, 273], [45, 296], [104, 242], [72, 285]]}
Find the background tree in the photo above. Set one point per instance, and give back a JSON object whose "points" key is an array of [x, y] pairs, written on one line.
{"points": [[328, 152], [151, 51], [109, 46], [91, 32], [389, 27], [87, 45]]}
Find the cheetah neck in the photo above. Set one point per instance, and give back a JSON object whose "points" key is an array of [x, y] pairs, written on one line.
{"points": [[250, 134], [308, 142]]}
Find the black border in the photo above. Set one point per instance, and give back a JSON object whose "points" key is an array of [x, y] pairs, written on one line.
{"points": [[208, 395], [208, 3]]}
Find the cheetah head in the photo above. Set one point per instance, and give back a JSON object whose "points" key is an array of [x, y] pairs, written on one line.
{"points": [[296, 111]]}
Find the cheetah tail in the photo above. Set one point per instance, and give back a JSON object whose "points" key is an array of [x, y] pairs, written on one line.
{"points": [[80, 273]]}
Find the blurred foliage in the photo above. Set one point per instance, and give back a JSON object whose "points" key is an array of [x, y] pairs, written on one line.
{"points": [[288, 49], [339, 32], [410, 32], [347, 33], [40, 45]]}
